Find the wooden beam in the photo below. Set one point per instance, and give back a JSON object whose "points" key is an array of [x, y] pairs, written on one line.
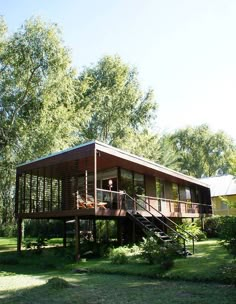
{"points": [[24, 189], [64, 233], [77, 238], [119, 232], [30, 194], [44, 187], [19, 235], [86, 184], [17, 195], [94, 230]]}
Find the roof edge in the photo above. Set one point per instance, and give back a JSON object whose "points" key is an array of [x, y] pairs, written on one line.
{"points": [[56, 153]]}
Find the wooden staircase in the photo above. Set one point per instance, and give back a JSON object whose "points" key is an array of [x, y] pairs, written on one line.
{"points": [[151, 224], [148, 226]]}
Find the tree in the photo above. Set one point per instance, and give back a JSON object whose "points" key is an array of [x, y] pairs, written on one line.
{"points": [[203, 152], [37, 99], [110, 91], [151, 146]]}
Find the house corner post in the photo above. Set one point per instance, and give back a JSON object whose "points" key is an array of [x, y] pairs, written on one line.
{"points": [[95, 178]]}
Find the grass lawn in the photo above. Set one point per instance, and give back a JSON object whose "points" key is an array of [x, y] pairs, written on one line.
{"points": [[25, 279]]}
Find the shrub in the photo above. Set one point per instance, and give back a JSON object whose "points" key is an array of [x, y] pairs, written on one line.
{"points": [[8, 230], [193, 229], [57, 283], [119, 255], [212, 226], [157, 252], [37, 245], [228, 233], [125, 254]]}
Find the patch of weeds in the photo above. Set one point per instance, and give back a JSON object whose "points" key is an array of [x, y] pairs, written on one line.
{"points": [[57, 283]]}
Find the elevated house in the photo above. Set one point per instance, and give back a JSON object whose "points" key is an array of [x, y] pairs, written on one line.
{"points": [[97, 181], [223, 194]]}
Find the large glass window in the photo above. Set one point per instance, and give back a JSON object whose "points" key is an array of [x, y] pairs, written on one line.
{"points": [[126, 181], [139, 187], [159, 188], [175, 192]]}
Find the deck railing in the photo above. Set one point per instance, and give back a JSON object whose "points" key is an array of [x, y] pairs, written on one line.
{"points": [[113, 200], [171, 206], [118, 200]]}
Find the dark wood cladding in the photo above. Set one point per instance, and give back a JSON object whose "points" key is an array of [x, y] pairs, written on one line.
{"points": [[48, 187], [57, 164], [106, 161]]}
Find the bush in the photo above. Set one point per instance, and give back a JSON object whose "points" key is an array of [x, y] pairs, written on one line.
{"points": [[37, 245], [228, 233], [125, 254], [8, 230], [193, 228], [156, 252], [58, 283], [212, 226], [119, 255]]}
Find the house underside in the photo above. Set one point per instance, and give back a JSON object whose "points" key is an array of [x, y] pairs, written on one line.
{"points": [[97, 181]]}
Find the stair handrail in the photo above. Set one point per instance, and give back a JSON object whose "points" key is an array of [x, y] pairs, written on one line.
{"points": [[193, 237], [176, 232]]}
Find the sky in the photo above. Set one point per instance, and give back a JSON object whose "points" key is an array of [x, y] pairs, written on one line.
{"points": [[185, 50]]}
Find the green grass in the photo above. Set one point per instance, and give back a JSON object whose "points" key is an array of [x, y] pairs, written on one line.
{"points": [[196, 279], [96, 288]]}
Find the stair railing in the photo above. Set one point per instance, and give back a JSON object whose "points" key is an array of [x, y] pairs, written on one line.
{"points": [[158, 219], [168, 219]]}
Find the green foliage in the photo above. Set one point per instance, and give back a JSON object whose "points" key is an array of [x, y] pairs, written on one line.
{"points": [[43, 228], [151, 146], [57, 283], [202, 152], [111, 92], [37, 101], [106, 230], [37, 245], [228, 233], [155, 252], [124, 254], [193, 229], [119, 255], [212, 226], [8, 230]]}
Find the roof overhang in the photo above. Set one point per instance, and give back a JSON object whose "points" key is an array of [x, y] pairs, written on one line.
{"points": [[108, 157]]}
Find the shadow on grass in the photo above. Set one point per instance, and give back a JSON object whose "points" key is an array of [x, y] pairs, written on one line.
{"points": [[206, 265], [31, 262], [98, 289]]}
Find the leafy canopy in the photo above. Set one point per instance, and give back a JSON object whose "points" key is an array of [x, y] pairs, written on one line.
{"points": [[111, 92], [202, 152]]}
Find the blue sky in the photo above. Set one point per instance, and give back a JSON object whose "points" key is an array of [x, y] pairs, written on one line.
{"points": [[184, 50]]}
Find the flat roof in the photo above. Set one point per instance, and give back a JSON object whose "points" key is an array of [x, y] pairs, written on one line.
{"points": [[123, 155]]}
